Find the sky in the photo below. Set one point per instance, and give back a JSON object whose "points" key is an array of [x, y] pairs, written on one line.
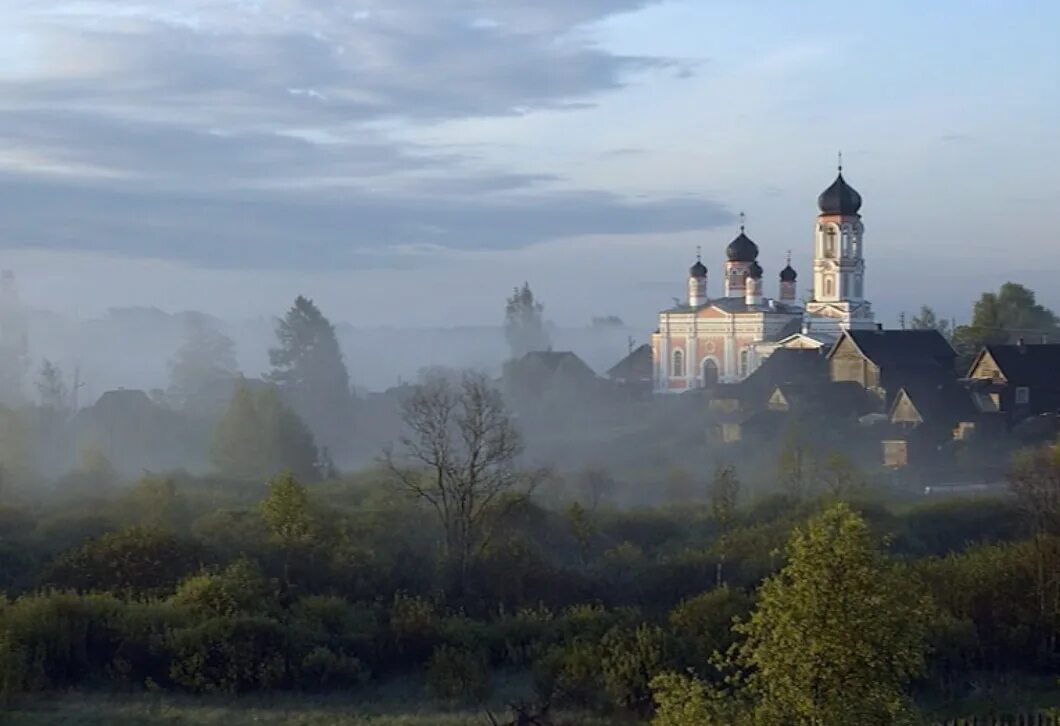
{"points": [[405, 163]]}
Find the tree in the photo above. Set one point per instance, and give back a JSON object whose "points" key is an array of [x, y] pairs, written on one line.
{"points": [[203, 369], [795, 465], [51, 388], [928, 320], [285, 511], [259, 437], [723, 493], [523, 326], [838, 633], [1004, 317], [459, 455], [1035, 480], [308, 369]]}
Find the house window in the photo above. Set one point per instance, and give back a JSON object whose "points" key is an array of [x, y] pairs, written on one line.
{"points": [[1023, 395], [678, 367], [895, 454]]}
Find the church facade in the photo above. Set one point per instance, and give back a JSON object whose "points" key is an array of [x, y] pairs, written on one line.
{"points": [[706, 340]]}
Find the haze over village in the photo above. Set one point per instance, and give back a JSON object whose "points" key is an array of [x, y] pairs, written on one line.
{"points": [[581, 362]]}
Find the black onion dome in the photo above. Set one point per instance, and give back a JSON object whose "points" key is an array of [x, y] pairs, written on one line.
{"points": [[788, 274], [840, 198], [755, 271], [698, 270], [742, 249]]}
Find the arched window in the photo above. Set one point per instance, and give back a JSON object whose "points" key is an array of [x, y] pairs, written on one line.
{"points": [[858, 286], [710, 372], [829, 241], [677, 370], [745, 363], [829, 287]]}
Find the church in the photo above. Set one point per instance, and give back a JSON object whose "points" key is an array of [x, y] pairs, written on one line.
{"points": [[707, 340]]}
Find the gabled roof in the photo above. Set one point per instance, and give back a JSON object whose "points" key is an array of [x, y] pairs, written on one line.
{"points": [[636, 366], [787, 366], [937, 400], [1026, 365], [563, 362], [842, 399], [901, 348]]}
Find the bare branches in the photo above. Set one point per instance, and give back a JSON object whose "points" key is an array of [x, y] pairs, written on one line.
{"points": [[459, 454]]}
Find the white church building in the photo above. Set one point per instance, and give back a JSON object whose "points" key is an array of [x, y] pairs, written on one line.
{"points": [[708, 340]]}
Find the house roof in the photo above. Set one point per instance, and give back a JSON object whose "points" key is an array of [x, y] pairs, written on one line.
{"points": [[788, 366], [843, 398], [1028, 365], [903, 348], [556, 362], [938, 400], [634, 367]]}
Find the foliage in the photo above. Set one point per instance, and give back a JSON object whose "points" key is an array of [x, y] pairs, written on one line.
{"points": [[523, 325], [138, 560], [51, 388], [258, 437], [458, 675], [204, 369], [239, 589], [1006, 316], [285, 511], [231, 654], [308, 369], [703, 623], [683, 700], [629, 659], [837, 634], [926, 319]]}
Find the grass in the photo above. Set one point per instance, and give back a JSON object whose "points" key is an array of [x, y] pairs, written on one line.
{"points": [[399, 703]]}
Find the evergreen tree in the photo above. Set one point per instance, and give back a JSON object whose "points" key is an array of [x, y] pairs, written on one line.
{"points": [[523, 325], [203, 370], [308, 369], [50, 387], [258, 437], [838, 633]]}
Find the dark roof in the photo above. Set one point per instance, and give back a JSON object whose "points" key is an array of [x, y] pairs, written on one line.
{"points": [[742, 249], [557, 362], [903, 348], [698, 269], [843, 398], [1028, 365], [790, 328], [788, 274], [939, 400], [637, 366], [839, 198], [787, 366]]}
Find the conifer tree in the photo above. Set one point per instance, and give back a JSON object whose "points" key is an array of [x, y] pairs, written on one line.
{"points": [[308, 370], [523, 325]]}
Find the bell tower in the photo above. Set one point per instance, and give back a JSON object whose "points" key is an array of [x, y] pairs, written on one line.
{"points": [[838, 261]]}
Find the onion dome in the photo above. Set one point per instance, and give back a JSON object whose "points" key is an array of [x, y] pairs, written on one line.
{"points": [[754, 271], [788, 274], [697, 270], [840, 198], [742, 249]]}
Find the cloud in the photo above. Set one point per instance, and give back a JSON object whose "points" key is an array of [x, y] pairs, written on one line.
{"points": [[263, 132]]}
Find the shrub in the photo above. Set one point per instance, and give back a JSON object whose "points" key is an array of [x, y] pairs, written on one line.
{"points": [[570, 674], [336, 624], [239, 589], [629, 659], [458, 675], [136, 560], [685, 701], [324, 668], [703, 624], [413, 626], [230, 655]]}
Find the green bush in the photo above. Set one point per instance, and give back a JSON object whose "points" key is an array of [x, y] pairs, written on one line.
{"points": [[629, 659], [239, 589], [570, 674], [458, 675], [138, 561], [414, 626], [682, 700], [54, 640], [345, 628], [231, 655], [702, 624], [323, 668]]}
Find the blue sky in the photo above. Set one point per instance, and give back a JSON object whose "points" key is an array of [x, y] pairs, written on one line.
{"points": [[405, 162]]}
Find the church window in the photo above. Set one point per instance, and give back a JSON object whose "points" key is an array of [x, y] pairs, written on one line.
{"points": [[829, 287], [678, 368], [829, 242], [858, 289], [745, 358]]}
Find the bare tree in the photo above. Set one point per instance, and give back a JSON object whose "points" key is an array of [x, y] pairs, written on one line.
{"points": [[459, 455]]}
